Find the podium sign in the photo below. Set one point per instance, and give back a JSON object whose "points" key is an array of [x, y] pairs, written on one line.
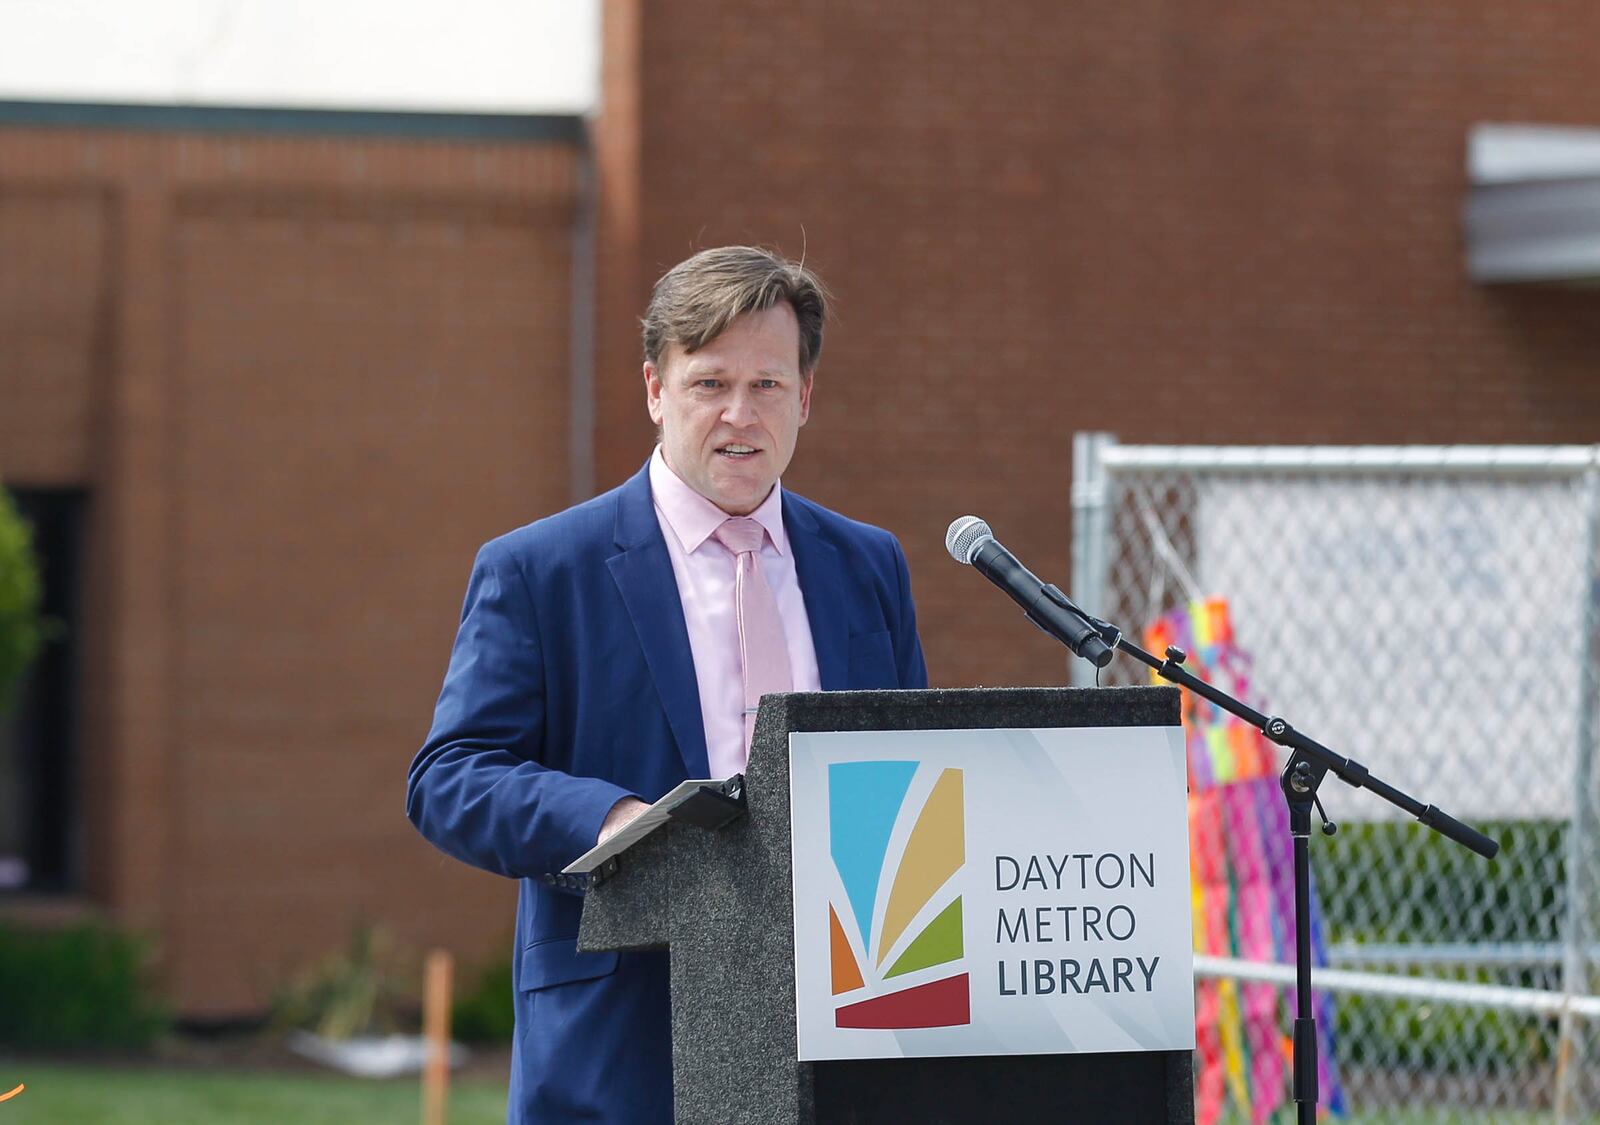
{"points": [[991, 892]]}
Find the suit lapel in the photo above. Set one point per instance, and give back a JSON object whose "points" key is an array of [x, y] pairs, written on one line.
{"points": [[823, 583], [643, 573]]}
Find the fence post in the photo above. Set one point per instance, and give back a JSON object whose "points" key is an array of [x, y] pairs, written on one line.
{"points": [[437, 972], [1578, 928], [1091, 531]]}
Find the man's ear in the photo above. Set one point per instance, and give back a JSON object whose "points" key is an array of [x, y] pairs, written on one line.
{"points": [[806, 383], [652, 392]]}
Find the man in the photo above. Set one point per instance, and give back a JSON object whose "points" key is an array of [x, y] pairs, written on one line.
{"points": [[615, 649]]}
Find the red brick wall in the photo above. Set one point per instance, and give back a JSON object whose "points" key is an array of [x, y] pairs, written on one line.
{"points": [[52, 338], [303, 379], [1218, 223]]}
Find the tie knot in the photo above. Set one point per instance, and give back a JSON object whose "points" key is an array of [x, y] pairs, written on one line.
{"points": [[740, 534]]}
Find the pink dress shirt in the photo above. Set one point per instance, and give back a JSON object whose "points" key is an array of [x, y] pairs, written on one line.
{"points": [[704, 570]]}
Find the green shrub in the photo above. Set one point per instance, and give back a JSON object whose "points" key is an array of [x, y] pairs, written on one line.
{"points": [[1455, 897], [1417, 1037], [85, 986], [484, 1014], [20, 594], [1452, 895]]}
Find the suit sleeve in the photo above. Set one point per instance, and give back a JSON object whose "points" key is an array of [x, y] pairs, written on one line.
{"points": [[913, 671], [478, 789]]}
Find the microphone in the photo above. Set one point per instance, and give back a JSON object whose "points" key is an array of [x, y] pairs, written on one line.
{"points": [[970, 541]]}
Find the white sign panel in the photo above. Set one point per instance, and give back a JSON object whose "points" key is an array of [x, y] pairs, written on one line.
{"points": [[991, 892]]}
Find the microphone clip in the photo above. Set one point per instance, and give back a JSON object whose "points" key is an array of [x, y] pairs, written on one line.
{"points": [[1093, 646], [1109, 634]]}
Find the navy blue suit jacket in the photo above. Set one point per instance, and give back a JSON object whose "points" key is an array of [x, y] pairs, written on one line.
{"points": [[571, 685]]}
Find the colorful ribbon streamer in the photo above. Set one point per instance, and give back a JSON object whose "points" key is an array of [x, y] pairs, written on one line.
{"points": [[1242, 882]]}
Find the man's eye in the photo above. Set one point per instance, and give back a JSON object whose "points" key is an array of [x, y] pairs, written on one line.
{"points": [[709, 384], [767, 384]]}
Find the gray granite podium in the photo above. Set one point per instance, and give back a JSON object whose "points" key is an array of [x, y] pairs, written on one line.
{"points": [[721, 902]]}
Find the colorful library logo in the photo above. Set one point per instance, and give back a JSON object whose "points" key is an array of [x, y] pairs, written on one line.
{"points": [[914, 932]]}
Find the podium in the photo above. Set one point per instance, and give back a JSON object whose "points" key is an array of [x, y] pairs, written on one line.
{"points": [[721, 903]]}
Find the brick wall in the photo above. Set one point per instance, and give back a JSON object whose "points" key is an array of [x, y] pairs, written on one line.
{"points": [[302, 379]]}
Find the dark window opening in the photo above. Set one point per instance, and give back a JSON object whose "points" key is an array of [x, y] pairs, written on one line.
{"points": [[40, 847]]}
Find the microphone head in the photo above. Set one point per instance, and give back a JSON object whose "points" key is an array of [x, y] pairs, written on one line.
{"points": [[965, 536]]}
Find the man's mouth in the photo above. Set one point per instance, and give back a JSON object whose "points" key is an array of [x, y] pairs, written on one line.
{"points": [[736, 452]]}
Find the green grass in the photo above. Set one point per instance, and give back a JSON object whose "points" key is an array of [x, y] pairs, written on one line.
{"points": [[60, 1094]]}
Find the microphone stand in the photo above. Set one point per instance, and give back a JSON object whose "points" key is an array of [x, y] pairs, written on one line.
{"points": [[1309, 763]]}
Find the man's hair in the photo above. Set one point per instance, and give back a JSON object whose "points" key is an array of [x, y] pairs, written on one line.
{"points": [[697, 299]]}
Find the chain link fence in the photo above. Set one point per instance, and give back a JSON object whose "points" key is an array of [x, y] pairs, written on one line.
{"points": [[1429, 612]]}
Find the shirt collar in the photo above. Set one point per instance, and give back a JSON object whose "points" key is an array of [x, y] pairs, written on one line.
{"points": [[693, 518]]}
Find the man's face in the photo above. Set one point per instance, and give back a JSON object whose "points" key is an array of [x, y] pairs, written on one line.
{"points": [[729, 414]]}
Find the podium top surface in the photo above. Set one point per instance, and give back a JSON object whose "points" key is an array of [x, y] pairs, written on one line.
{"points": [[971, 708]]}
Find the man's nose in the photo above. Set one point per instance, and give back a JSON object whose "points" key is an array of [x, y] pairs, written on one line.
{"points": [[740, 409]]}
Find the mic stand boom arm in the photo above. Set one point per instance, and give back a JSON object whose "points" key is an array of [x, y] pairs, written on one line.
{"points": [[1309, 762], [1318, 758]]}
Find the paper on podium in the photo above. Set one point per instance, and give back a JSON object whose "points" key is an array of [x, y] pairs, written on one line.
{"points": [[652, 818]]}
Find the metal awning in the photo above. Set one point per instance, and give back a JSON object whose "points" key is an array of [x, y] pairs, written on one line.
{"points": [[1533, 214]]}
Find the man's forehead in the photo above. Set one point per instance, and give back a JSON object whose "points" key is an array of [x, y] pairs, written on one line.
{"points": [[720, 355]]}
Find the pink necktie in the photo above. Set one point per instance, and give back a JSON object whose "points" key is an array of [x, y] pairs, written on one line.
{"points": [[763, 652]]}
